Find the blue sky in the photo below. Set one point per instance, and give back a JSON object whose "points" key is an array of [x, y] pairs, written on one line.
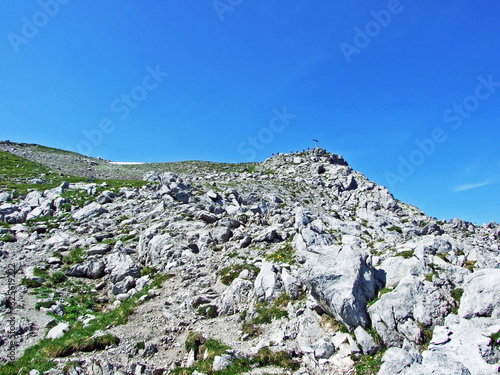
{"points": [[408, 92]]}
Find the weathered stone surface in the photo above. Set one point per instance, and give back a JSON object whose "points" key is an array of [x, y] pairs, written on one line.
{"points": [[91, 210], [92, 269], [268, 283], [119, 265]]}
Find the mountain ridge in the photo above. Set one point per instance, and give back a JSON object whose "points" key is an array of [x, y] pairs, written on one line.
{"points": [[297, 264]]}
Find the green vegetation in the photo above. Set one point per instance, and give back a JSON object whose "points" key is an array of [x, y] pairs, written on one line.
{"points": [[228, 274], [332, 324], [457, 296], [74, 256], [367, 364], [8, 238], [208, 311], [283, 255], [406, 254], [470, 265], [78, 338], [495, 339], [30, 283], [206, 349], [58, 277], [395, 229], [381, 292]]}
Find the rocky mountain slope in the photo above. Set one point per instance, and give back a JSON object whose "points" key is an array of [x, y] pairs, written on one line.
{"points": [[297, 265]]}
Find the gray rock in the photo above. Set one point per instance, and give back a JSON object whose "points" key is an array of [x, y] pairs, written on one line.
{"points": [[221, 234], [397, 361], [481, 295], [120, 265], [206, 217], [268, 283], [99, 249], [237, 297], [92, 269], [400, 313], [341, 281], [222, 362], [123, 286], [91, 210], [323, 349], [58, 331], [365, 340]]}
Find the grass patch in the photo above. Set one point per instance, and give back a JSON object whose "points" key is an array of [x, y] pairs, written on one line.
{"points": [[77, 344], [8, 238], [30, 283], [457, 296], [332, 324], [228, 274], [395, 228], [367, 364], [283, 255], [75, 256], [406, 254], [208, 311], [77, 338], [58, 277], [470, 265]]}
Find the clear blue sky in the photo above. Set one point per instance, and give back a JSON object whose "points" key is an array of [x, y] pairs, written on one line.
{"points": [[179, 80]]}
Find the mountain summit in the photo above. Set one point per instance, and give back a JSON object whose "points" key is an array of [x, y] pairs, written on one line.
{"points": [[296, 265]]}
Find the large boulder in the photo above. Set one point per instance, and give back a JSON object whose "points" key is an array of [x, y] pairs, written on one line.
{"points": [[91, 269], [237, 297], [342, 281], [481, 296], [402, 313], [91, 210], [120, 265], [268, 283]]}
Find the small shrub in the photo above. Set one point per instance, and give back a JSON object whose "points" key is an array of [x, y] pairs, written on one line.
{"points": [[495, 339], [457, 296], [58, 277], [228, 274], [395, 229], [140, 345], [208, 311], [30, 283], [193, 342], [406, 254], [148, 270], [8, 238]]}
